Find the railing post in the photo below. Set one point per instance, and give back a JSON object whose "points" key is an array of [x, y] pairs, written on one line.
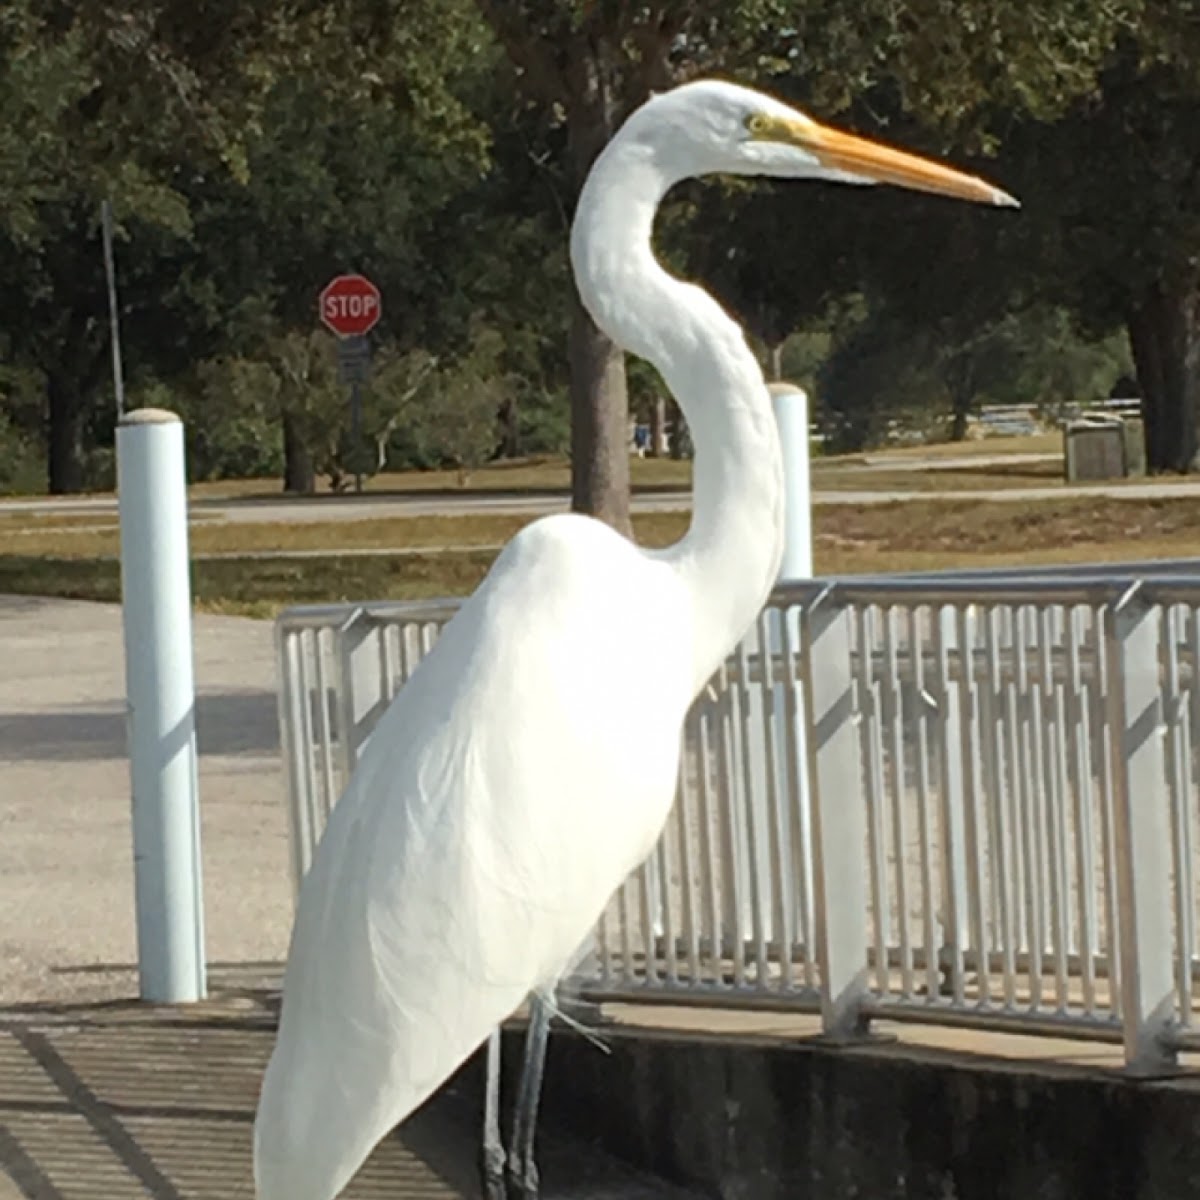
{"points": [[763, 772], [954, 796], [362, 687], [297, 751], [1143, 831], [156, 608], [839, 817], [791, 416]]}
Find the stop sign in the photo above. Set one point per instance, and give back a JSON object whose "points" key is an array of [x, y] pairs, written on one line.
{"points": [[350, 305]]}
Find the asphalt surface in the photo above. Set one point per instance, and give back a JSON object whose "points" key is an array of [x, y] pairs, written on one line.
{"points": [[415, 504], [348, 508]]}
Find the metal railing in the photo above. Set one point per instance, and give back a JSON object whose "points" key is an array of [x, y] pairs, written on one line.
{"points": [[950, 800]]}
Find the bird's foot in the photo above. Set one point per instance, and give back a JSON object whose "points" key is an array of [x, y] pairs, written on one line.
{"points": [[523, 1181], [581, 1016], [492, 1165]]}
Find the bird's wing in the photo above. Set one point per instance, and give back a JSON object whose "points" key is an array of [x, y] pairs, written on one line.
{"points": [[525, 768]]}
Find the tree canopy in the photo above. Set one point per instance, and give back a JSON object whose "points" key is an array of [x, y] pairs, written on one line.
{"points": [[251, 150]]}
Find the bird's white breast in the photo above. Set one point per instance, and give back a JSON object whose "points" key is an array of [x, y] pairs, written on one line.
{"points": [[523, 771]]}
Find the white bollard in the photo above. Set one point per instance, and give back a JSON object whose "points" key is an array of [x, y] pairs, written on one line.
{"points": [[791, 415], [156, 606], [766, 775]]}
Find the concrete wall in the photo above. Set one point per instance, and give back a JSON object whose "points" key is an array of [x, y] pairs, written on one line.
{"points": [[756, 1120]]}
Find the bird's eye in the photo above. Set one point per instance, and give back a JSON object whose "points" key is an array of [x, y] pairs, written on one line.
{"points": [[756, 124]]}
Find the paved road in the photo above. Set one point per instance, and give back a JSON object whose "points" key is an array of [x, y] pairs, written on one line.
{"points": [[1121, 491], [418, 504], [372, 507], [347, 508]]}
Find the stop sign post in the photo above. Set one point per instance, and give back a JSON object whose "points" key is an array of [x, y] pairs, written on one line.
{"points": [[350, 306]]}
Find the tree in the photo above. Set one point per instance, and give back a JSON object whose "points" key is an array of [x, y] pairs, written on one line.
{"points": [[461, 428], [230, 417], [398, 385], [178, 113], [883, 369], [592, 62], [1114, 227]]}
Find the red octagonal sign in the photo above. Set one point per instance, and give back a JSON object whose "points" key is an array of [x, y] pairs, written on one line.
{"points": [[350, 305]]}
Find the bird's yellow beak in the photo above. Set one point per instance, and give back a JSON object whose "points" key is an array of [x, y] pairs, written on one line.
{"points": [[873, 160]]}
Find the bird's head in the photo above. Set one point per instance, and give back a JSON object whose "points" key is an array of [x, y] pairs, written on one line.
{"points": [[713, 127]]}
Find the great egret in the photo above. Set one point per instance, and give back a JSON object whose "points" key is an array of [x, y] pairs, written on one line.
{"points": [[529, 764]]}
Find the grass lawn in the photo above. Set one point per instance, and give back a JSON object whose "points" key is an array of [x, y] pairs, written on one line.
{"points": [[260, 587], [484, 530], [1032, 443], [650, 474], [553, 474], [849, 539], [832, 475], [526, 476]]}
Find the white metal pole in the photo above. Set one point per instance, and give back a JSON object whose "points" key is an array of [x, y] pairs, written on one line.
{"points": [[791, 415], [156, 603]]}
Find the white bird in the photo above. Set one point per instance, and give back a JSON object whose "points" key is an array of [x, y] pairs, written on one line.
{"points": [[529, 764]]}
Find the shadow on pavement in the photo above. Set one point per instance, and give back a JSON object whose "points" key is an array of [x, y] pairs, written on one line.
{"points": [[227, 723], [121, 1101]]}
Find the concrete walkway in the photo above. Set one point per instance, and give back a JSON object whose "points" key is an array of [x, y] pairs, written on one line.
{"points": [[66, 872], [101, 1097], [120, 1101]]}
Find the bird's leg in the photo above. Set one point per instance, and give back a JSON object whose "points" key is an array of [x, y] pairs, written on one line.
{"points": [[493, 1147], [522, 1169]]}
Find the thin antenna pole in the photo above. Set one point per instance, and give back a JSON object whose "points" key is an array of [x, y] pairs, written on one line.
{"points": [[114, 320]]}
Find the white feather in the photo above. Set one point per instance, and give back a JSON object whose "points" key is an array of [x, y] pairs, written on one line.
{"points": [[530, 763]]}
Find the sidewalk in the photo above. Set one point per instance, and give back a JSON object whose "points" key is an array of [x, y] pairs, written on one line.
{"points": [[66, 871], [104, 1098]]}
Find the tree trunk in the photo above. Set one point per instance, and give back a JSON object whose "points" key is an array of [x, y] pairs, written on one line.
{"points": [[299, 475], [775, 359], [658, 427], [510, 422], [962, 410], [1147, 360], [599, 399], [599, 408], [1164, 338], [959, 377], [64, 437], [680, 437]]}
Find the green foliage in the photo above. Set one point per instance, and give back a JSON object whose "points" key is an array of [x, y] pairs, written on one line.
{"points": [[462, 431], [228, 407], [249, 150], [883, 372], [395, 397], [20, 462], [297, 375], [252, 150]]}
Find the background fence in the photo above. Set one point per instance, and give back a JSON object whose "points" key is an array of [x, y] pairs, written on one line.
{"points": [[949, 799]]}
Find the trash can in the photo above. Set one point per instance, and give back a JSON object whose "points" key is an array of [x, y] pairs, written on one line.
{"points": [[1102, 446]]}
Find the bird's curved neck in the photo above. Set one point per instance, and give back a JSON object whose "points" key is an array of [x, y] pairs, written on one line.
{"points": [[730, 557]]}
